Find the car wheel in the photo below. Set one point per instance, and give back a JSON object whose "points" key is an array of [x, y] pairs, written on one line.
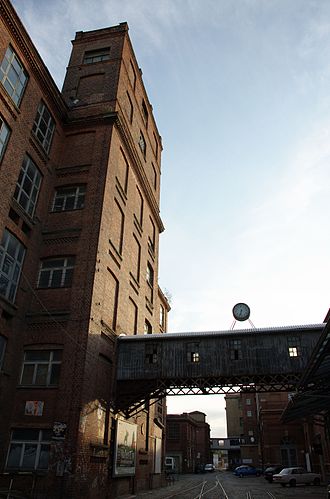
{"points": [[316, 481], [292, 483]]}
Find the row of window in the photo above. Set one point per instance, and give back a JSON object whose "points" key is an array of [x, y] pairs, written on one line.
{"points": [[14, 78]]}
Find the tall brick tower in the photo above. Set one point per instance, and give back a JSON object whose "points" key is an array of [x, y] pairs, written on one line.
{"points": [[79, 229]]}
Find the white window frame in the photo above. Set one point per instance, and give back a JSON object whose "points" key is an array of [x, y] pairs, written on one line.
{"points": [[41, 362], [62, 194], [67, 265], [12, 254], [28, 186], [44, 126], [4, 136], [23, 443], [12, 66]]}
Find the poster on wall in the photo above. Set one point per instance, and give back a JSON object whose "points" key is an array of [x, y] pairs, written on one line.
{"points": [[125, 449], [158, 456]]}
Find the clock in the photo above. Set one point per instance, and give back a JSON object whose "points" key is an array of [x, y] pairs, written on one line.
{"points": [[241, 311]]}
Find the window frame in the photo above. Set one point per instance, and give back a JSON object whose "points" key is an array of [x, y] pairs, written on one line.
{"points": [[34, 185], [4, 129], [44, 137], [49, 363], [102, 54], [15, 65], [143, 145], [38, 443], [66, 282], [14, 267], [80, 193]]}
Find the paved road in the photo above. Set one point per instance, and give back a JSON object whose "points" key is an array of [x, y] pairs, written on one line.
{"points": [[223, 485]]}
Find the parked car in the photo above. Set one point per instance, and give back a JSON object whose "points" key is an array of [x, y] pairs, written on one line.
{"points": [[328, 490], [296, 475], [272, 470], [246, 470], [199, 468], [209, 467]]}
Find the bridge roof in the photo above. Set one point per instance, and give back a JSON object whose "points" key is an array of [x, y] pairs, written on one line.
{"points": [[229, 332]]}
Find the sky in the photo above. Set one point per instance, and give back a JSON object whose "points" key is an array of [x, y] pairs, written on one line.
{"points": [[241, 96]]}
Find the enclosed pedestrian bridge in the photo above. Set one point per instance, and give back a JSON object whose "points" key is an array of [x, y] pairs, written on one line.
{"points": [[259, 360]]}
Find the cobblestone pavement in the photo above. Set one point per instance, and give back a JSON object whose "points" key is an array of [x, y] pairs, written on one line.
{"points": [[223, 485]]}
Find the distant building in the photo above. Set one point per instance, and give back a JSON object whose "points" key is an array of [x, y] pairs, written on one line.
{"points": [[79, 244], [188, 440]]}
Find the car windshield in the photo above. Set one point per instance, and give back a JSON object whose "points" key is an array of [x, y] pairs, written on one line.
{"points": [[285, 471]]}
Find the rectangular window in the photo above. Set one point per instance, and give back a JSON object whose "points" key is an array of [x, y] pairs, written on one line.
{"points": [[235, 350], [69, 198], [154, 176], [151, 356], [147, 327], [145, 112], [139, 207], [28, 186], [162, 316], [152, 236], [41, 367], [156, 145], [56, 273], [193, 353], [44, 126], [294, 346], [249, 414], [137, 259], [4, 136], [143, 145], [150, 275], [98, 55], [13, 75], [29, 449], [3, 344], [11, 261], [248, 401]]}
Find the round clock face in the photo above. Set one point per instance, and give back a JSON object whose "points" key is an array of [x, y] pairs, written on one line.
{"points": [[241, 312]]}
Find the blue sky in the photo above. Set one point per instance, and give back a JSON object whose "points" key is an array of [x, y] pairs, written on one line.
{"points": [[241, 95]]}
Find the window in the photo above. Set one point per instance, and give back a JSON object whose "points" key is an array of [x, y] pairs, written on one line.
{"points": [[29, 449], [98, 55], [132, 75], [13, 75], [249, 414], [162, 316], [11, 261], [248, 401], [144, 112], [44, 126], [143, 145], [56, 273], [150, 275], [41, 367], [151, 355], [152, 236], [235, 350], [147, 327], [194, 357], [28, 186], [4, 136], [293, 346], [69, 198], [3, 343]]}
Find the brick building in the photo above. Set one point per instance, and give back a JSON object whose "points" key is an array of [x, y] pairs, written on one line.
{"points": [[188, 440], [79, 230]]}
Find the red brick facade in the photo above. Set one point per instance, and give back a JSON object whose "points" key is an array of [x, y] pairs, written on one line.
{"points": [[86, 217]]}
